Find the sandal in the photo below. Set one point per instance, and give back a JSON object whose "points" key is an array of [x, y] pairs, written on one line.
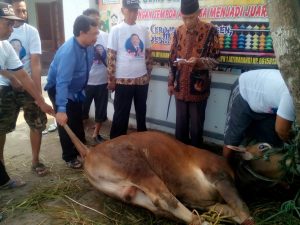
{"points": [[40, 169], [11, 184], [74, 164], [52, 128]]}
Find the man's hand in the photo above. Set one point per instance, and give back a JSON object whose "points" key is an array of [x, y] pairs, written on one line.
{"points": [[283, 128], [192, 61], [46, 108], [170, 90], [203, 63], [179, 63], [61, 118]]}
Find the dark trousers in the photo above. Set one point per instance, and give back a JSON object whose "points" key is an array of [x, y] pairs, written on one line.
{"points": [[190, 118], [244, 125], [74, 113], [122, 105], [4, 178], [98, 93]]}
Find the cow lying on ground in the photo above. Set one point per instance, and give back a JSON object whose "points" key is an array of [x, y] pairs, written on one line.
{"points": [[154, 171]]}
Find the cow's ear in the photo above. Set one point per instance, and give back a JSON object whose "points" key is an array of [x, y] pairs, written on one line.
{"points": [[236, 148], [242, 150], [264, 146]]}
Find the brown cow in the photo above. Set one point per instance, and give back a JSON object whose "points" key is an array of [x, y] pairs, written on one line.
{"points": [[154, 171]]}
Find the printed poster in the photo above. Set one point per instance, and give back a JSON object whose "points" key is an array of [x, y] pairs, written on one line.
{"points": [[243, 28]]}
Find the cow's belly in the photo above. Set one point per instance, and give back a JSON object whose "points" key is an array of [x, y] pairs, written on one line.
{"points": [[113, 184], [197, 191], [111, 188]]}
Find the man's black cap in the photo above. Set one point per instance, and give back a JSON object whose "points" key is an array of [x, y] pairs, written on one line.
{"points": [[188, 7], [7, 12]]}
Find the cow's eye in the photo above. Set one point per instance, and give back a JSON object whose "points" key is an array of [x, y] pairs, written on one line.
{"points": [[263, 147]]}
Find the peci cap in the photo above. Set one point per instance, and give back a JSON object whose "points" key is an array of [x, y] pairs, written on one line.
{"points": [[7, 12], [188, 7], [131, 4]]}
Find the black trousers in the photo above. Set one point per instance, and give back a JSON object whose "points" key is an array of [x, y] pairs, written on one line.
{"points": [[74, 113], [4, 178], [98, 93], [190, 118], [124, 94], [242, 123]]}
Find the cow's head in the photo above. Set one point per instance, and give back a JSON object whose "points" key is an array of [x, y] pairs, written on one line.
{"points": [[267, 161], [252, 152]]}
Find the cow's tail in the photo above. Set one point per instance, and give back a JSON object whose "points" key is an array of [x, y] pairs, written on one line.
{"points": [[82, 148]]}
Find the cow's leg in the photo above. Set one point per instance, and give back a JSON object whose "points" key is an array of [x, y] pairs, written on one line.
{"points": [[154, 189], [134, 195], [152, 195], [154, 200], [125, 192], [228, 192], [138, 197]]}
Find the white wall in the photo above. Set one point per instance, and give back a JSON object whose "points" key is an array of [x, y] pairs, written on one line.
{"points": [[72, 9]]}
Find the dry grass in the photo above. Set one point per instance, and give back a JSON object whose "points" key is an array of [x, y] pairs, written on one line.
{"points": [[62, 201]]}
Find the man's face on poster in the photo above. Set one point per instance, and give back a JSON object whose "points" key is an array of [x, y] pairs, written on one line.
{"points": [[135, 40]]}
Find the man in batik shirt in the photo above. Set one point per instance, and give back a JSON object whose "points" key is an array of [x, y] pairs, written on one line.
{"points": [[194, 50]]}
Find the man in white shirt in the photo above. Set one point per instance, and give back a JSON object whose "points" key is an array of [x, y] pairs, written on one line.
{"points": [[10, 66], [129, 70], [26, 41], [261, 106]]}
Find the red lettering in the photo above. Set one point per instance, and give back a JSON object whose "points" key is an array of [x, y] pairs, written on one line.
{"points": [[237, 11], [231, 14], [252, 11], [246, 14], [213, 12], [218, 12], [258, 11], [203, 13], [222, 14], [264, 12]]}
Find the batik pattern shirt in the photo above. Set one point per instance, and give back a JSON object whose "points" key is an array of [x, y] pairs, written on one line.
{"points": [[202, 42]]}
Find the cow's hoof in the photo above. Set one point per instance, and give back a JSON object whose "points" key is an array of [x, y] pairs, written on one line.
{"points": [[248, 221]]}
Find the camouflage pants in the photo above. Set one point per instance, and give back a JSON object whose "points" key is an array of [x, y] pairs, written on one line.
{"points": [[10, 104]]}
